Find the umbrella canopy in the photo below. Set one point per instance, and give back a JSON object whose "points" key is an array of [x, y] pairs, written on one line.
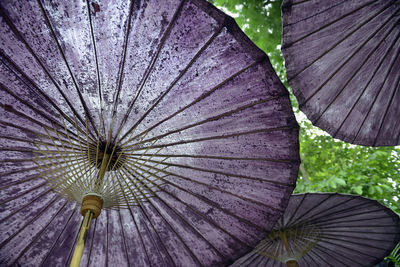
{"points": [[163, 113], [328, 229], [342, 61]]}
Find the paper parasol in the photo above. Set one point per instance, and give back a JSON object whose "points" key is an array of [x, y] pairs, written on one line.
{"points": [[163, 113], [328, 229], [342, 60]]}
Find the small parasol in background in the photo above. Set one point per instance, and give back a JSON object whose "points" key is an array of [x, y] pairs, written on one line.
{"points": [[328, 229], [160, 117], [343, 64]]}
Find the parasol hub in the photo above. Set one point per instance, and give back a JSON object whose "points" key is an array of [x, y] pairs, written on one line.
{"points": [[93, 203], [113, 153]]}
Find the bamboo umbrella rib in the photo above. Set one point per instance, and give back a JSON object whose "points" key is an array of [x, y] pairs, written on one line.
{"points": [[37, 111], [305, 213], [366, 58], [329, 212], [38, 234], [198, 99], [212, 157], [24, 129], [214, 171], [181, 74], [211, 187], [122, 65], [372, 76], [26, 205], [395, 90], [21, 38], [56, 240], [150, 68], [83, 102], [265, 130], [205, 218], [376, 96], [97, 63], [344, 62], [30, 221], [364, 22], [123, 237], [214, 118], [170, 226], [206, 200], [29, 83]]}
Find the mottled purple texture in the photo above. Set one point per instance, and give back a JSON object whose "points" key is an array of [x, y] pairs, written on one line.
{"points": [[182, 73], [356, 231], [342, 60]]}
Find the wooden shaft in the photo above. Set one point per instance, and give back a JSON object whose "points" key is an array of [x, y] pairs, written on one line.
{"points": [[89, 213], [102, 172], [80, 244]]}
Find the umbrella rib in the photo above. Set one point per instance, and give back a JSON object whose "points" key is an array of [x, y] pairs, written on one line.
{"points": [[388, 107], [370, 37], [202, 197], [158, 236], [21, 38], [332, 220], [363, 90], [17, 196], [321, 214], [122, 65], [51, 202], [210, 119], [256, 131], [25, 129], [55, 242], [195, 230], [91, 243], [327, 240], [216, 188], [289, 221], [24, 206], [29, 245], [37, 111], [181, 74], [53, 34], [133, 218], [151, 66], [198, 99], [289, 5], [217, 172], [376, 96], [97, 65], [332, 237], [140, 237], [322, 249], [198, 213], [123, 237], [28, 82], [186, 222], [340, 41], [358, 69], [328, 212]]}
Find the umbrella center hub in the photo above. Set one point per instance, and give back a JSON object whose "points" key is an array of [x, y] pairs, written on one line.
{"points": [[116, 157]]}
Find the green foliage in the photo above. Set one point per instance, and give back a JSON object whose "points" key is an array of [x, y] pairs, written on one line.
{"points": [[261, 21]]}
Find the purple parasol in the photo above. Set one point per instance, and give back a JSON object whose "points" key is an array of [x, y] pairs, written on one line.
{"points": [[328, 229], [342, 60], [160, 117]]}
